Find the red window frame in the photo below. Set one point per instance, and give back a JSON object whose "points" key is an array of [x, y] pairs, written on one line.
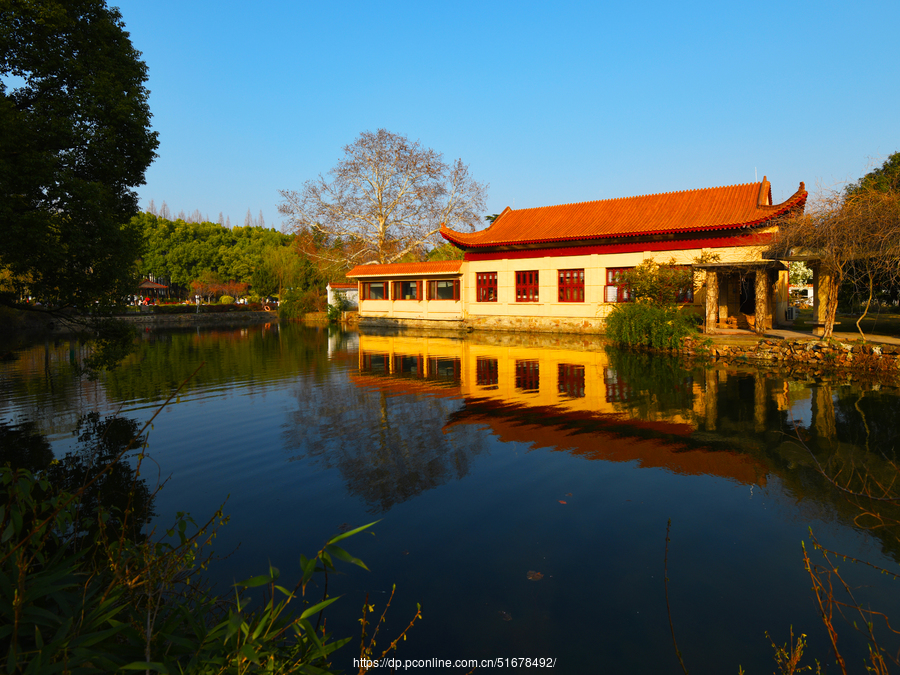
{"points": [[487, 372], [432, 290], [398, 290], [615, 288], [571, 285], [527, 286], [367, 290], [686, 295], [570, 380], [528, 375], [486, 287]]}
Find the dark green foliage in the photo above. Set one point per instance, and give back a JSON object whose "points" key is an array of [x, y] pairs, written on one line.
{"points": [[111, 341], [295, 303], [83, 591], [183, 252], [654, 320], [446, 252], [75, 140], [641, 324], [885, 178], [659, 284]]}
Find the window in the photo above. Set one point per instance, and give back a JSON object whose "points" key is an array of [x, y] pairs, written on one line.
{"points": [[571, 285], [527, 286], [443, 289], [571, 380], [528, 375], [376, 290], [448, 370], [407, 290], [616, 290], [375, 363], [406, 364], [686, 294], [486, 287], [617, 389], [486, 372]]}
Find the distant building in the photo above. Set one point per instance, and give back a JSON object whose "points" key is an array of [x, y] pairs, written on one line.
{"points": [[349, 291]]}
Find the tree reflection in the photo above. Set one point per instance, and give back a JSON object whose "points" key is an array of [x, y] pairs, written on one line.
{"points": [[384, 434], [100, 466]]}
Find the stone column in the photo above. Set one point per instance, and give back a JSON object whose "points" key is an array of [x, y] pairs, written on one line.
{"points": [[821, 289], [711, 398], [759, 403], [712, 301], [762, 300]]}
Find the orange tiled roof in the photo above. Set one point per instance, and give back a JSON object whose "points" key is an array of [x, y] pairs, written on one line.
{"points": [[403, 269], [719, 208], [343, 285]]}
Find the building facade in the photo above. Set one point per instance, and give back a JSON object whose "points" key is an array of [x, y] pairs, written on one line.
{"points": [[559, 268]]}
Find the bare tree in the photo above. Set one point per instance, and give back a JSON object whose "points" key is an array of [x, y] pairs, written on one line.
{"points": [[164, 211], [385, 198], [152, 208], [260, 222], [221, 220], [855, 238], [248, 219]]}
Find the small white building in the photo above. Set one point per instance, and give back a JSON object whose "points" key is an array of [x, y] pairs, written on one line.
{"points": [[349, 291]]}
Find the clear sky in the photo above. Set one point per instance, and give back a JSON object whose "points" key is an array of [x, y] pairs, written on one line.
{"points": [[547, 103]]}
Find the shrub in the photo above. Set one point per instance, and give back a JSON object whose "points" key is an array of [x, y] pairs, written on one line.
{"points": [[226, 300], [643, 324], [294, 304], [106, 601], [340, 306]]}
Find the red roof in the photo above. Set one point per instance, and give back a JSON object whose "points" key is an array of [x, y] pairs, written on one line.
{"points": [[403, 269], [342, 285], [721, 208]]}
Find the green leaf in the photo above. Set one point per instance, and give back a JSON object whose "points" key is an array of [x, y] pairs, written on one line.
{"points": [[337, 538], [315, 609], [249, 653], [341, 554], [146, 665], [253, 582]]}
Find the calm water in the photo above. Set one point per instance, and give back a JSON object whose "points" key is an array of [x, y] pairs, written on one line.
{"points": [[488, 458]]}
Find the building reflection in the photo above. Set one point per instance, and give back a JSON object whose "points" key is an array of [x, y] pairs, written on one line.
{"points": [[581, 401]]}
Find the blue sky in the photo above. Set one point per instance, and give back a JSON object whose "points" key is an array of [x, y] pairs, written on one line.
{"points": [[547, 104]]}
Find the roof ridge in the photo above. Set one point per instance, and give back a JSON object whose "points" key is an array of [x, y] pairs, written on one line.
{"points": [[650, 194]]}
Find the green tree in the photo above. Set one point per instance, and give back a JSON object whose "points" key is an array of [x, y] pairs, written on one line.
{"points": [[799, 274], [75, 140], [659, 284], [885, 178]]}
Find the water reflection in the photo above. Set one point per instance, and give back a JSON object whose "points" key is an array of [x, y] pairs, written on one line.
{"points": [[467, 445], [591, 403], [101, 466], [742, 423]]}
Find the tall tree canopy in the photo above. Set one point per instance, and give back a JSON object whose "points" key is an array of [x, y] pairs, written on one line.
{"points": [[75, 140], [385, 199], [886, 178], [180, 251]]}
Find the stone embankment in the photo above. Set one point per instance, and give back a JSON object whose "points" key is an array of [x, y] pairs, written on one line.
{"points": [[149, 319], [812, 352]]}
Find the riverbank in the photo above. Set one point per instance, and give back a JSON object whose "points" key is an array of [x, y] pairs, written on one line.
{"points": [[149, 319], [880, 355]]}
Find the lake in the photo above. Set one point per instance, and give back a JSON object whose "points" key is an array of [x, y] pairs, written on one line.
{"points": [[522, 485]]}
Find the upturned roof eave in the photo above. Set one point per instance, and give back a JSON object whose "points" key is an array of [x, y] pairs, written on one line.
{"points": [[797, 199]]}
